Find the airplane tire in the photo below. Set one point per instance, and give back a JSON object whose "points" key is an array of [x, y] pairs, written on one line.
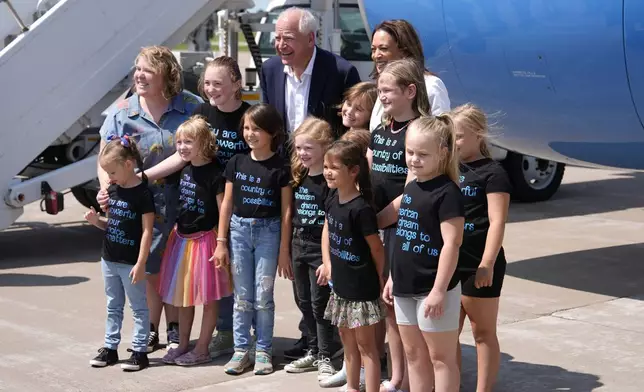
{"points": [[533, 179], [87, 197]]}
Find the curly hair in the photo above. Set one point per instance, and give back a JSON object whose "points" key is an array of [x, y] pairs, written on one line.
{"points": [[163, 62]]}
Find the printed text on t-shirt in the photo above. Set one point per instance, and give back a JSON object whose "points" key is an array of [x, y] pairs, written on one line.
{"points": [[409, 229]]}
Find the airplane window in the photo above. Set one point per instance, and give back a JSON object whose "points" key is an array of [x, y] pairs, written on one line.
{"points": [[356, 45]]}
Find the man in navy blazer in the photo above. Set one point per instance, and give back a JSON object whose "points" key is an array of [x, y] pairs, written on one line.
{"points": [[304, 79]]}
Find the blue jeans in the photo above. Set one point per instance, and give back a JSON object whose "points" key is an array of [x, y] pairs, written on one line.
{"points": [[118, 284], [254, 245]]}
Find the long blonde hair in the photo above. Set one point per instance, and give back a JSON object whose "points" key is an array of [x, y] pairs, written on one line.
{"points": [[441, 129], [318, 130], [474, 119], [407, 72], [198, 129]]}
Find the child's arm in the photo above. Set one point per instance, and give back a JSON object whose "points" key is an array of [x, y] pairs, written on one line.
{"points": [[284, 260], [171, 164], [498, 206], [452, 233], [378, 255], [92, 217], [138, 271], [389, 214], [225, 212]]}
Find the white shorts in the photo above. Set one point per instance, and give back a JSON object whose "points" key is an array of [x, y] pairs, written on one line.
{"points": [[410, 311]]}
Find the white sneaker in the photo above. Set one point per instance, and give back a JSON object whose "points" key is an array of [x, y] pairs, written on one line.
{"points": [[325, 368], [307, 363], [362, 388]]}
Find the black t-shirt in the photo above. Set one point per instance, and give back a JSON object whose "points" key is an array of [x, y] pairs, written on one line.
{"points": [[388, 166], [477, 180], [227, 128], [257, 185], [308, 202], [124, 222], [198, 190], [424, 206], [353, 270]]}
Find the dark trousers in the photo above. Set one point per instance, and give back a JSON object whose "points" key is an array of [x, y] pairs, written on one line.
{"points": [[311, 298]]}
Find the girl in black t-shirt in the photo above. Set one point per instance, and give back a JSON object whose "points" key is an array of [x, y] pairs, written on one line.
{"points": [[220, 85], [423, 287], [486, 191], [126, 246], [257, 196], [310, 140], [189, 277], [402, 90], [353, 260]]}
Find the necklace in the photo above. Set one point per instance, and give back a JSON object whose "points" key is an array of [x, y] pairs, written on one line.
{"points": [[391, 126]]}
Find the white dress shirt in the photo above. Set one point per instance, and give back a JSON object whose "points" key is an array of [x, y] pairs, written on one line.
{"points": [[297, 94]]}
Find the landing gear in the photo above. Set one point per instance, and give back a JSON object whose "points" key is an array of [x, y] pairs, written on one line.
{"points": [[533, 179]]}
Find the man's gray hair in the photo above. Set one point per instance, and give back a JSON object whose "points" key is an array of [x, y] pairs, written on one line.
{"points": [[308, 21]]}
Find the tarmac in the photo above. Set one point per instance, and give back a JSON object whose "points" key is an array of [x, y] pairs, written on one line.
{"points": [[571, 318]]}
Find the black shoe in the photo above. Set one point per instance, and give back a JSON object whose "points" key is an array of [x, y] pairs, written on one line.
{"points": [[105, 357], [173, 335], [138, 361], [153, 339], [299, 349]]}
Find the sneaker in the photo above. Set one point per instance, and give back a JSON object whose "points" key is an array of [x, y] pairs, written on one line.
{"points": [[336, 380], [222, 344], [307, 363], [138, 361], [263, 363], [105, 357], [325, 368], [362, 387], [238, 363], [299, 349], [153, 340], [173, 335]]}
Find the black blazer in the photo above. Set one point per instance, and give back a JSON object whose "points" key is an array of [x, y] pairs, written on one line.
{"points": [[332, 76]]}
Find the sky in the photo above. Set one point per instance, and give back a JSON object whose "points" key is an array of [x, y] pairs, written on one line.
{"points": [[260, 4]]}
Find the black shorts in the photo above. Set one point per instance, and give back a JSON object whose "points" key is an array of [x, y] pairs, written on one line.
{"points": [[469, 277]]}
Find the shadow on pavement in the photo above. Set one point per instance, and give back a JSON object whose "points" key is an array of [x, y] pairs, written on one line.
{"points": [[517, 376], [29, 280], [585, 198], [37, 244], [615, 271]]}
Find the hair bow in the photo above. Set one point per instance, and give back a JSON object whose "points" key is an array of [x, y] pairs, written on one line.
{"points": [[125, 140]]}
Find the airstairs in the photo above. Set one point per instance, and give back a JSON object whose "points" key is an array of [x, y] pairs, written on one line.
{"points": [[72, 60]]}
